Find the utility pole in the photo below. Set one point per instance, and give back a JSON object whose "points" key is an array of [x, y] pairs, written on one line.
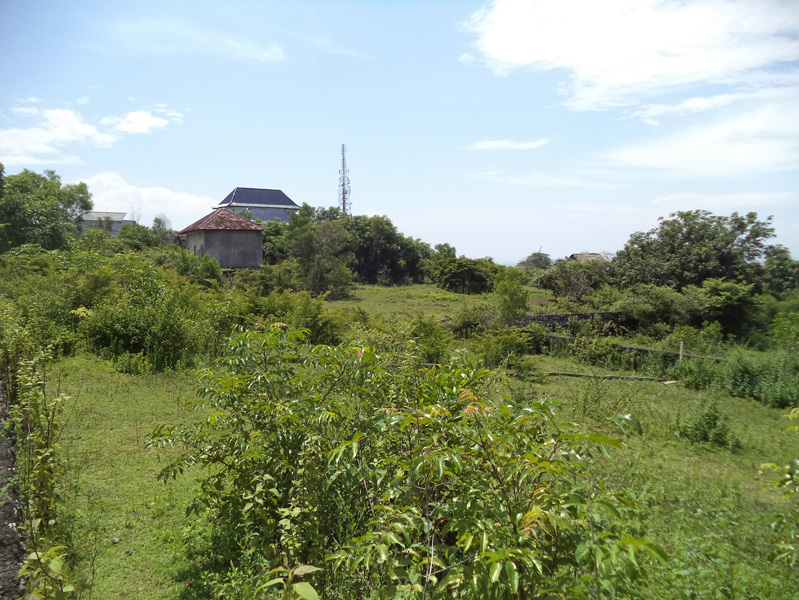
{"points": [[344, 184]]}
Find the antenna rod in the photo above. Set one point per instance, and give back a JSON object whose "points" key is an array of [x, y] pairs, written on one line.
{"points": [[344, 184]]}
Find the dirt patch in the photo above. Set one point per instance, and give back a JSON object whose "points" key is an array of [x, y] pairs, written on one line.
{"points": [[11, 549]]}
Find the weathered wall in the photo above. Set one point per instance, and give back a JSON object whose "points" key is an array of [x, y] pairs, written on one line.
{"points": [[232, 249]]}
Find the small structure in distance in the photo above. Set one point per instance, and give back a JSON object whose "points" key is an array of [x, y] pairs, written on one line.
{"points": [[235, 242], [266, 205], [111, 222]]}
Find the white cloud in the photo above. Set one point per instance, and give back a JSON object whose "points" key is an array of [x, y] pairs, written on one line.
{"points": [[763, 139], [138, 121], [59, 128], [653, 113], [618, 51], [25, 111], [113, 193], [177, 36], [508, 145], [40, 144], [741, 201]]}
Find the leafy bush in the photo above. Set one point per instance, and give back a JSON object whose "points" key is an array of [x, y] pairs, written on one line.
{"points": [[655, 309], [500, 345], [393, 483], [467, 276], [472, 320], [133, 364], [708, 425]]}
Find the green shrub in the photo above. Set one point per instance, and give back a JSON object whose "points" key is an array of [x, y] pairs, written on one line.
{"points": [[500, 345], [133, 364], [318, 462], [472, 320], [708, 425]]}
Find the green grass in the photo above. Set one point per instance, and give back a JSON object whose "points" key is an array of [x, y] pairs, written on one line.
{"points": [[407, 301], [708, 506], [125, 525]]}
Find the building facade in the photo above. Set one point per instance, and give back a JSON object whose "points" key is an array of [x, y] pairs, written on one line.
{"points": [[235, 242]]}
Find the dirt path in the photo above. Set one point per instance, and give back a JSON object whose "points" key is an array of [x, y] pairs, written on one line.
{"points": [[11, 550]]}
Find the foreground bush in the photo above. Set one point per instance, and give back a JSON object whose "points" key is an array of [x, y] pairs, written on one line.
{"points": [[328, 474]]}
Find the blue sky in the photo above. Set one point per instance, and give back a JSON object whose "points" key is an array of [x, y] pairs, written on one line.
{"points": [[499, 127]]}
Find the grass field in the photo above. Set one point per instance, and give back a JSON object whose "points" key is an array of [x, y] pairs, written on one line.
{"points": [[707, 505], [126, 524]]}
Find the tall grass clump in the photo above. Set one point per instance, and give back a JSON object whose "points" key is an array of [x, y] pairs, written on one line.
{"points": [[769, 377]]}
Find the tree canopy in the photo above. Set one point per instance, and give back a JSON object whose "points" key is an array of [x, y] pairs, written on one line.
{"points": [[692, 246], [38, 209]]}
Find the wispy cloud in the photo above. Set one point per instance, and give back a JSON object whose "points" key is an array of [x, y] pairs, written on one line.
{"points": [[178, 36], [762, 139], [112, 192], [58, 129], [617, 52], [726, 202], [508, 145], [654, 113], [138, 121]]}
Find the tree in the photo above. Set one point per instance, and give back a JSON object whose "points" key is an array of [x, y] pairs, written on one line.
{"points": [[38, 209], [511, 293], [537, 260], [137, 237], [467, 275], [321, 253], [693, 246], [162, 229], [573, 279], [782, 271]]}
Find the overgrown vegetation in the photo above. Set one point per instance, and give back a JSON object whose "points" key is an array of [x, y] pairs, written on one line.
{"points": [[401, 441]]}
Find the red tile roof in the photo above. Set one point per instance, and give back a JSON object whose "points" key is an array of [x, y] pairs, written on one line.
{"points": [[223, 219]]}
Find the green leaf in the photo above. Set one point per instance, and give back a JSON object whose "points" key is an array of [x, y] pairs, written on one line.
{"points": [[305, 590], [601, 438], [513, 576], [496, 569], [305, 569]]}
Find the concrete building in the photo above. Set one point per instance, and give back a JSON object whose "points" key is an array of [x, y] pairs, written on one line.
{"points": [[233, 241], [111, 222], [266, 205]]}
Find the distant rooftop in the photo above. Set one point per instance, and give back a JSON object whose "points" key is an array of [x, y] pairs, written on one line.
{"points": [[223, 220], [96, 215], [257, 198]]}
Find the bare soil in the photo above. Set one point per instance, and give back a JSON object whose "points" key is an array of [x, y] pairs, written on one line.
{"points": [[11, 549]]}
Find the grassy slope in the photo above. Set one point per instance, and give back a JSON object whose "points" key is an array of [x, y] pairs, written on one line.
{"points": [[709, 502], [125, 522], [406, 301]]}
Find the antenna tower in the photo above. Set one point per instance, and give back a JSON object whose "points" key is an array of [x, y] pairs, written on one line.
{"points": [[344, 184]]}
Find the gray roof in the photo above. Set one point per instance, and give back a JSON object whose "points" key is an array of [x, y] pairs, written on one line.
{"points": [[257, 198], [96, 215]]}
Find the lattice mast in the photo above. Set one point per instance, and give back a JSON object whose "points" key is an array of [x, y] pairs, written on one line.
{"points": [[344, 184]]}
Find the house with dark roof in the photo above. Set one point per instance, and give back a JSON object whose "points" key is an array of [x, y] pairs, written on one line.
{"points": [[235, 242], [111, 222], [266, 205]]}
